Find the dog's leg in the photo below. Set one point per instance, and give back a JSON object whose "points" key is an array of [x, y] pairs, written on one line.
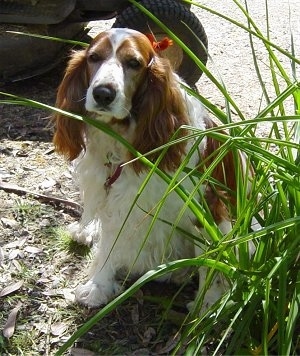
{"points": [[99, 289], [218, 285], [215, 290], [101, 286], [84, 233]]}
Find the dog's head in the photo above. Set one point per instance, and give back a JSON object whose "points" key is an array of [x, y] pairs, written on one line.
{"points": [[121, 76]]}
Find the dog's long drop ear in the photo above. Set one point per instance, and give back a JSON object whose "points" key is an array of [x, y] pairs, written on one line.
{"points": [[69, 133], [160, 111]]}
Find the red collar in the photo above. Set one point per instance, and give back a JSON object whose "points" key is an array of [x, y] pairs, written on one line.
{"points": [[110, 180]]}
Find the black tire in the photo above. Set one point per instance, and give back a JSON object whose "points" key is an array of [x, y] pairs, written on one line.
{"points": [[34, 55], [174, 15], [35, 12]]}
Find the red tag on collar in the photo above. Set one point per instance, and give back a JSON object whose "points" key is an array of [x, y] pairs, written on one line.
{"points": [[159, 45]]}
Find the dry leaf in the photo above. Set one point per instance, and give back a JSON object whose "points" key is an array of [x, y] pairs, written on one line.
{"points": [[4, 175], [1, 256], [139, 295], [15, 253], [18, 243], [51, 292], [135, 314], [12, 244], [42, 327], [43, 280], [81, 352], [169, 345], [58, 329], [17, 264], [32, 249], [148, 335], [47, 184], [9, 223], [9, 327], [11, 288], [69, 294]]}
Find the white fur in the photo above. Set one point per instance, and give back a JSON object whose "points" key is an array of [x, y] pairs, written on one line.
{"points": [[106, 210], [111, 72], [122, 240]]}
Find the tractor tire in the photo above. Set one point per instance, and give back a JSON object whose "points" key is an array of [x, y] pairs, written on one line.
{"points": [[182, 22]]}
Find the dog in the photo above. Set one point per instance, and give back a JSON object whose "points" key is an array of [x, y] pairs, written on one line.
{"points": [[122, 80]]}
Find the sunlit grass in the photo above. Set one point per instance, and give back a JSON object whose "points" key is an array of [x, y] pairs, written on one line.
{"points": [[65, 242]]}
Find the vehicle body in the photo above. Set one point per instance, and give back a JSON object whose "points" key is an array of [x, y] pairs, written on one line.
{"points": [[22, 57]]}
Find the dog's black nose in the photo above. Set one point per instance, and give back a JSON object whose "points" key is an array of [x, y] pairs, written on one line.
{"points": [[104, 95]]}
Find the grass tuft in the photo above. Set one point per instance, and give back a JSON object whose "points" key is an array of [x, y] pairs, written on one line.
{"points": [[66, 243]]}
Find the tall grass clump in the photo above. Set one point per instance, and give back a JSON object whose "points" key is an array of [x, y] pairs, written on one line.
{"points": [[259, 258]]}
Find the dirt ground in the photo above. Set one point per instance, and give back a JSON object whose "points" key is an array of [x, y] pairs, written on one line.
{"points": [[37, 273]]}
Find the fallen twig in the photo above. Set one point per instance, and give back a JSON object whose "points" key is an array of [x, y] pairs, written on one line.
{"points": [[9, 188]]}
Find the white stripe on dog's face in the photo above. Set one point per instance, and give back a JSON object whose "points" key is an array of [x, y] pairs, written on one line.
{"points": [[117, 60]]}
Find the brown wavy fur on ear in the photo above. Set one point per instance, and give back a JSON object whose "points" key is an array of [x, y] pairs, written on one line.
{"points": [[160, 111], [224, 172], [69, 134]]}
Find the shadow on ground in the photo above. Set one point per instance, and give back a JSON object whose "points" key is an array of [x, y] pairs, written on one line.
{"points": [[27, 123]]}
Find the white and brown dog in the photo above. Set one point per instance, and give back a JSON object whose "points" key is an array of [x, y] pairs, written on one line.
{"points": [[122, 81]]}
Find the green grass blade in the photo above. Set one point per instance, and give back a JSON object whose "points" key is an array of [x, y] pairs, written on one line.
{"points": [[49, 38]]}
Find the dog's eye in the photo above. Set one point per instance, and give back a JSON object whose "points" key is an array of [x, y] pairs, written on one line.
{"points": [[133, 63], [94, 57]]}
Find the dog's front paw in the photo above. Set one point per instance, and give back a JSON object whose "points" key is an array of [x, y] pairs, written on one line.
{"points": [[206, 304], [212, 295], [92, 294], [81, 234]]}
